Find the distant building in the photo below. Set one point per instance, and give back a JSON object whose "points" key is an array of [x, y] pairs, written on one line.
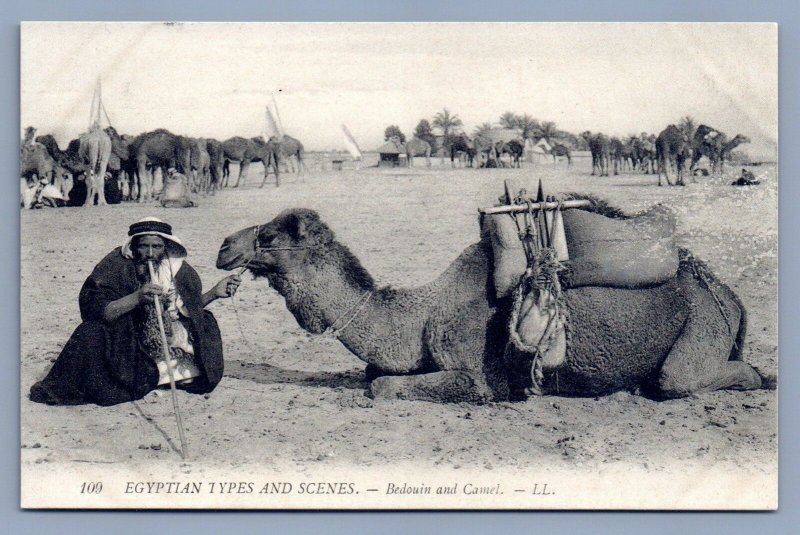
{"points": [[390, 154]]}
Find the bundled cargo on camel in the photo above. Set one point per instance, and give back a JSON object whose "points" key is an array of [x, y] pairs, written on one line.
{"points": [[541, 246]]}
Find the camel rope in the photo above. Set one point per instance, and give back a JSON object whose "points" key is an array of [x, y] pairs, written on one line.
{"points": [[541, 275], [353, 312], [259, 248], [707, 280]]}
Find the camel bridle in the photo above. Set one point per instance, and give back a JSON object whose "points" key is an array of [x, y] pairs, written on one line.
{"points": [[259, 248], [349, 314]]}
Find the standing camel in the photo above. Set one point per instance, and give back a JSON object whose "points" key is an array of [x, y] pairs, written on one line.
{"points": [[708, 142], [122, 163], [672, 146], [600, 148], [289, 147], [241, 150], [200, 162], [159, 149], [649, 146], [615, 149], [561, 150], [621, 154], [461, 144], [728, 148], [268, 153], [418, 147], [514, 148], [216, 157], [245, 151], [95, 149], [644, 153]]}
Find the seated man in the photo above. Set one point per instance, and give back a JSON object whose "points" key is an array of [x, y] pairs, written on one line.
{"points": [[115, 355], [747, 179], [176, 192]]}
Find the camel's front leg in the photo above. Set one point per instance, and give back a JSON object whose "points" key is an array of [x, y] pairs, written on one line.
{"points": [[243, 166], [443, 387]]}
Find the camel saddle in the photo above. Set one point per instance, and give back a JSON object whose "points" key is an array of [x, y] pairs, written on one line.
{"points": [[594, 250]]}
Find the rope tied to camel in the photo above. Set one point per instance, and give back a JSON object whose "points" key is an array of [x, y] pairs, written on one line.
{"points": [[541, 283], [704, 276], [353, 312], [331, 331]]}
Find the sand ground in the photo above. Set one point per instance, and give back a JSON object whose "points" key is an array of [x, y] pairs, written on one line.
{"points": [[294, 402]]}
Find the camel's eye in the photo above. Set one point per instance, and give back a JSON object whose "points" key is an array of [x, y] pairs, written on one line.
{"points": [[265, 239]]}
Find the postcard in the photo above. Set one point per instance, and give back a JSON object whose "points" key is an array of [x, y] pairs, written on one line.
{"points": [[399, 266]]}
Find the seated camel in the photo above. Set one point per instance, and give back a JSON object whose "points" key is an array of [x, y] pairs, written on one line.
{"points": [[445, 341]]}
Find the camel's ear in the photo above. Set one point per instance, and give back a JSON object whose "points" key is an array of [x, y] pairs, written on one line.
{"points": [[308, 225], [297, 227]]}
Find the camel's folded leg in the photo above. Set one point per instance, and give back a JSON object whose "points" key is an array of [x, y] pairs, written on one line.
{"points": [[694, 365], [443, 387]]}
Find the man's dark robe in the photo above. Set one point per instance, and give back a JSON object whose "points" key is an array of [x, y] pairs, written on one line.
{"points": [[104, 362]]}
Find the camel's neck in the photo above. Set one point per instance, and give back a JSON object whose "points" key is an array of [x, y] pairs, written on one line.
{"points": [[735, 142], [335, 292]]}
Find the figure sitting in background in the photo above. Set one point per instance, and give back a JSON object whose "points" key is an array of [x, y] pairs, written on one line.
{"points": [[747, 179]]}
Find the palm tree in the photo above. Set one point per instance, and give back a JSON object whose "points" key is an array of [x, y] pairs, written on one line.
{"points": [[482, 133], [566, 138], [528, 125], [548, 130], [509, 120], [446, 122], [687, 125]]}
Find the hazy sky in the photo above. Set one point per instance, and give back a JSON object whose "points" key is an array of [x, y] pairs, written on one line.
{"points": [[215, 80]]}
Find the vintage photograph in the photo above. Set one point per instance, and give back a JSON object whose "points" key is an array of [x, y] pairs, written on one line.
{"points": [[359, 266]]}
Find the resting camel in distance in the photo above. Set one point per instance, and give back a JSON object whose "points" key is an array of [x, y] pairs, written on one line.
{"points": [[444, 341]]}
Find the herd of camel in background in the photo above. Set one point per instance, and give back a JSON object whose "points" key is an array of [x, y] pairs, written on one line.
{"points": [[81, 172], [132, 161], [646, 153], [671, 149]]}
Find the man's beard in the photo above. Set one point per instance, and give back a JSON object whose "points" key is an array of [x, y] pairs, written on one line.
{"points": [[142, 271]]}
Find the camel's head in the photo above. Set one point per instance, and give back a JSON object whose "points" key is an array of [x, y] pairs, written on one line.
{"points": [[739, 139], [277, 246]]}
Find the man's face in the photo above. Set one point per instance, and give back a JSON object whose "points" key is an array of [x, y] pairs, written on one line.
{"points": [[149, 248]]}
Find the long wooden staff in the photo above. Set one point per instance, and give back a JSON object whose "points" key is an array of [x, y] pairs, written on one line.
{"points": [[168, 357]]}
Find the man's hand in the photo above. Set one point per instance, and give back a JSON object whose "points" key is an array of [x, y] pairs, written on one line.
{"points": [[147, 293], [227, 287]]}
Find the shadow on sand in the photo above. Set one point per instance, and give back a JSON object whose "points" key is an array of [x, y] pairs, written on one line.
{"points": [[264, 373]]}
